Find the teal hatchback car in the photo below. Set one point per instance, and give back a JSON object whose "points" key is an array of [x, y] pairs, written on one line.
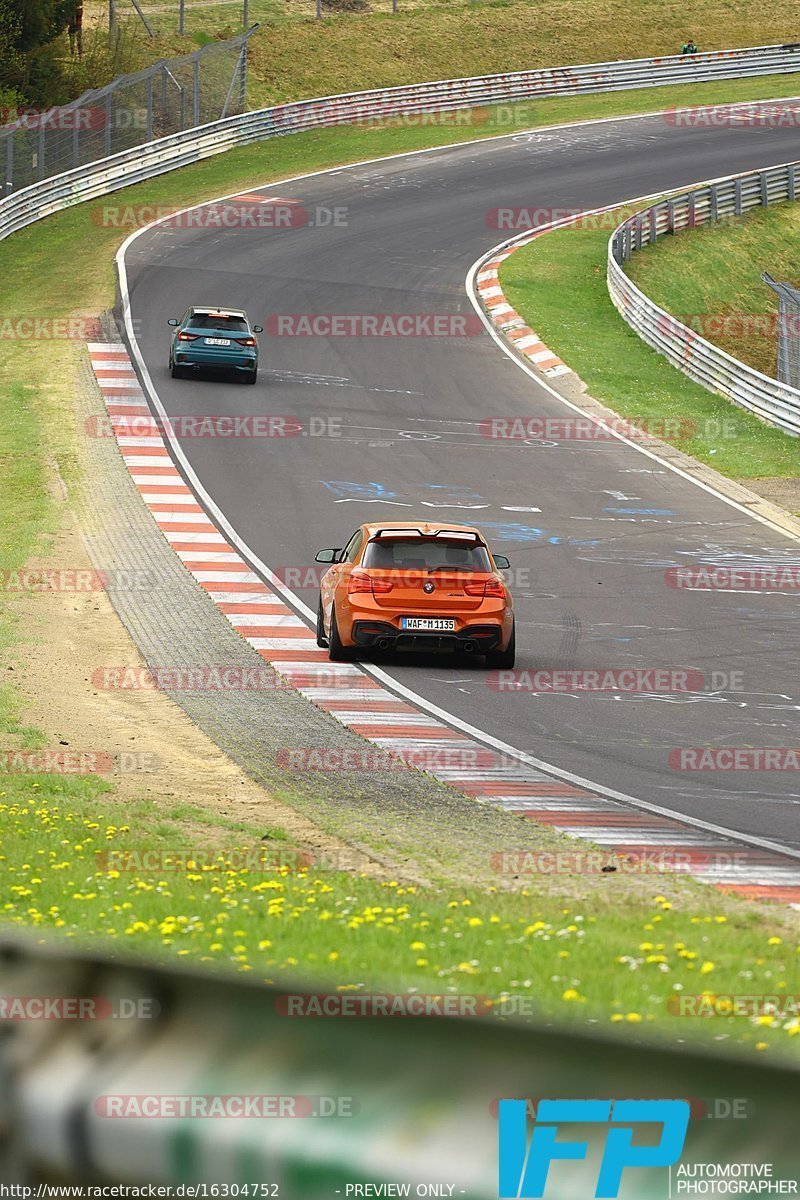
{"points": [[214, 339]]}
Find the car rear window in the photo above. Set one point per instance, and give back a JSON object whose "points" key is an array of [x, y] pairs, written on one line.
{"points": [[425, 554], [208, 321]]}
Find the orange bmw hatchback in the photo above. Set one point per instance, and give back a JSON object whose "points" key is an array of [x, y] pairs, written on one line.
{"points": [[416, 587]]}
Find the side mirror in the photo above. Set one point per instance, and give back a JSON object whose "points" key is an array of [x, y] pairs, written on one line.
{"points": [[258, 329], [501, 562], [327, 556], [173, 321]]}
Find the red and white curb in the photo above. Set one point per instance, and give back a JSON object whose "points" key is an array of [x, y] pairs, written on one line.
{"points": [[390, 723], [510, 323]]}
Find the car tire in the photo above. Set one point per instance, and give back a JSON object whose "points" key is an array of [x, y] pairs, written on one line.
{"points": [[251, 376], [503, 660], [175, 371], [337, 651], [321, 638]]}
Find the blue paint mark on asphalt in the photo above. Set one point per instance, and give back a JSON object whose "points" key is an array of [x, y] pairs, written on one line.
{"points": [[358, 491], [643, 512], [511, 532]]}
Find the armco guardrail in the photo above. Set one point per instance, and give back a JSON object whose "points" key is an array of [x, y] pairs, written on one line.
{"points": [[169, 1076], [772, 401], [106, 175]]}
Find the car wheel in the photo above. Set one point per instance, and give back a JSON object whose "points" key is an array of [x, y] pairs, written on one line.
{"points": [[503, 660], [251, 376], [321, 638], [175, 371], [337, 651]]}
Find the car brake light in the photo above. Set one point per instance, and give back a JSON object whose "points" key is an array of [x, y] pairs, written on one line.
{"points": [[359, 581], [487, 587], [187, 337], [246, 341]]}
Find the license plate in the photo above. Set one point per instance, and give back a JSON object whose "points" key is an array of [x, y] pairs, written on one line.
{"points": [[218, 341], [429, 624]]}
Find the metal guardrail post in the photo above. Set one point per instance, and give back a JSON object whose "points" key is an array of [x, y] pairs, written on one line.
{"points": [[764, 189], [714, 202], [150, 108], [107, 124], [76, 141], [737, 193], [790, 181], [196, 92], [243, 79]]}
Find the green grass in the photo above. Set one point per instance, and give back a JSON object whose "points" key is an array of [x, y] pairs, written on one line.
{"points": [[716, 271], [46, 821], [294, 55], [615, 963], [558, 282], [26, 513]]}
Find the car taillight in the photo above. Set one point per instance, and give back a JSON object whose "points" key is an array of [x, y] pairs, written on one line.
{"points": [[246, 341], [359, 581], [487, 587], [187, 337]]}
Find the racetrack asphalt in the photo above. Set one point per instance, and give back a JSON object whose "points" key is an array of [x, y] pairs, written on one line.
{"points": [[590, 527]]}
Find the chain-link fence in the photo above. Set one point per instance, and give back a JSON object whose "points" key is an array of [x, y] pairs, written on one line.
{"points": [[164, 18], [168, 97]]}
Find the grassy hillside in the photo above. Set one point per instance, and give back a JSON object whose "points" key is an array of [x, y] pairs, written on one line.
{"points": [[712, 278], [295, 55]]}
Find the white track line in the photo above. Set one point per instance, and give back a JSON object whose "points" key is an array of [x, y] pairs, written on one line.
{"points": [[295, 602]]}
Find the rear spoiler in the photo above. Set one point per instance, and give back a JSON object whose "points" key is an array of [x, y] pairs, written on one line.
{"points": [[458, 534]]}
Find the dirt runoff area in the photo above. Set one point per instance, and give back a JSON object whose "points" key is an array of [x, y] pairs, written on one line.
{"points": [[141, 742]]}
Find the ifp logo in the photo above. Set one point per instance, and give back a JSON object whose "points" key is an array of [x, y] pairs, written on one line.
{"points": [[524, 1168]]}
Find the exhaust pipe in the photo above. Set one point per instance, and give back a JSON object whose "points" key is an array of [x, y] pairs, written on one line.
{"points": [[468, 647], [383, 643]]}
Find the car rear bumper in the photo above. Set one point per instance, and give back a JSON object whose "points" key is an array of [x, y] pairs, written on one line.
{"points": [[477, 638], [200, 360]]}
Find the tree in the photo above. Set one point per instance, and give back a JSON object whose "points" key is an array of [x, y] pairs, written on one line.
{"points": [[39, 21], [29, 66]]}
